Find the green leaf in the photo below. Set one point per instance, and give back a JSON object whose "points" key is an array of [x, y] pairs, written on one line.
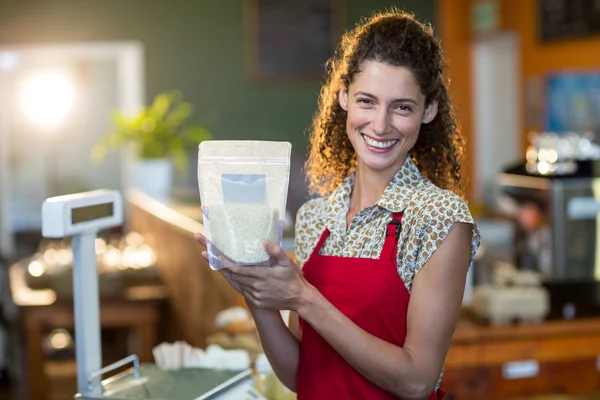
{"points": [[160, 130], [178, 115], [161, 105]]}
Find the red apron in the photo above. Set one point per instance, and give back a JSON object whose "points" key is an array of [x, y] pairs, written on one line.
{"points": [[369, 292]]}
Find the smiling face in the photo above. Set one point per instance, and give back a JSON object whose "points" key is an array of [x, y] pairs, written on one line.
{"points": [[385, 108]]}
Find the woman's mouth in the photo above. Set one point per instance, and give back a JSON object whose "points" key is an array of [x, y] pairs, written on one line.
{"points": [[379, 144]]}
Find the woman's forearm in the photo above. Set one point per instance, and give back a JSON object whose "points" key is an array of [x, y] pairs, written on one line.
{"points": [[386, 365], [279, 344]]}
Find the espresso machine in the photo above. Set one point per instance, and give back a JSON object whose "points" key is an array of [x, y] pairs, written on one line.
{"points": [[558, 234]]}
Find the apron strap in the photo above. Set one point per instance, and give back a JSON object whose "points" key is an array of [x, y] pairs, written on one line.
{"points": [[390, 246], [320, 243]]}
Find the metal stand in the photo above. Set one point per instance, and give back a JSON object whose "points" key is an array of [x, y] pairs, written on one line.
{"points": [[87, 313]]}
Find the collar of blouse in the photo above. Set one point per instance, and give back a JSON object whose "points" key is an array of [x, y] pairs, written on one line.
{"points": [[395, 198]]}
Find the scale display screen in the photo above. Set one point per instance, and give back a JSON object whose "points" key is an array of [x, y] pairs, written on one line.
{"points": [[90, 213]]}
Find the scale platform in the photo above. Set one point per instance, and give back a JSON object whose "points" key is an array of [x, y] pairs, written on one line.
{"points": [[184, 384]]}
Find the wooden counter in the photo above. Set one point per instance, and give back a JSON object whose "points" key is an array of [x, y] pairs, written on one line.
{"points": [[196, 292], [484, 362], [554, 357]]}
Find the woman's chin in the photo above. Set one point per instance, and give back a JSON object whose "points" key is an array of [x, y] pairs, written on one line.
{"points": [[378, 165], [380, 162]]}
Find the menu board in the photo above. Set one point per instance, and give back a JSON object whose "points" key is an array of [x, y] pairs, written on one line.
{"points": [[563, 19], [292, 39]]}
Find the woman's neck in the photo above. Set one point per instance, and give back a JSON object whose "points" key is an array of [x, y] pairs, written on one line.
{"points": [[369, 186]]}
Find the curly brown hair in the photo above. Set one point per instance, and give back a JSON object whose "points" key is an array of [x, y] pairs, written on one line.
{"points": [[396, 38]]}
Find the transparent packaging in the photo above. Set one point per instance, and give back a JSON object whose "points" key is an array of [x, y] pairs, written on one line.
{"points": [[243, 189]]}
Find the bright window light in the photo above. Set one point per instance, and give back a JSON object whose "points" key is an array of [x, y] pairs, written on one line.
{"points": [[9, 61], [46, 99]]}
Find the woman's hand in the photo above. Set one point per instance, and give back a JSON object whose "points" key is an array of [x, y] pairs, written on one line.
{"points": [[225, 272], [278, 286]]}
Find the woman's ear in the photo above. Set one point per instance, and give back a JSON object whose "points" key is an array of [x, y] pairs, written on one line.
{"points": [[343, 99], [430, 112]]}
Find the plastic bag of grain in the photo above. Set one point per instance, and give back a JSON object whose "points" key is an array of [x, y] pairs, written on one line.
{"points": [[243, 189]]}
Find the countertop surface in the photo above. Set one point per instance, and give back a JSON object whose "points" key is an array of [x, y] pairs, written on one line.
{"points": [[184, 211]]}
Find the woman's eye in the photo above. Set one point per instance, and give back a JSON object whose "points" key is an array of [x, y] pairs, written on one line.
{"points": [[364, 101], [404, 108]]}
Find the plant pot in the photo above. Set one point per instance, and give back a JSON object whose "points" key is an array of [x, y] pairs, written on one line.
{"points": [[153, 177]]}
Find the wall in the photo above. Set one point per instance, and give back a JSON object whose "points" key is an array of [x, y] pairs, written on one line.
{"points": [[537, 59], [198, 47], [195, 46], [453, 28]]}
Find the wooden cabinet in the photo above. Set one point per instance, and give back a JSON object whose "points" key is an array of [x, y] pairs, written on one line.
{"points": [[514, 362]]}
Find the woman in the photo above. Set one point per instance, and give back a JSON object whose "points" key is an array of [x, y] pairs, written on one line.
{"points": [[386, 249]]}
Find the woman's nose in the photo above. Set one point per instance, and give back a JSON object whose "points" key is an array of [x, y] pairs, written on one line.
{"points": [[381, 121]]}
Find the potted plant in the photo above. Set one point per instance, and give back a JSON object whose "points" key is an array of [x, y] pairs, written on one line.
{"points": [[160, 137]]}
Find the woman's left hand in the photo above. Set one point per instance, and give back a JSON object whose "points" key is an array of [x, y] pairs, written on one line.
{"points": [[278, 286]]}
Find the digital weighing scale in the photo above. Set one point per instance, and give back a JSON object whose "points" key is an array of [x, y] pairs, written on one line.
{"points": [[81, 216]]}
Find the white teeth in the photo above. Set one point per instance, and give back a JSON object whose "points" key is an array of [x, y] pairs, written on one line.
{"points": [[379, 145]]}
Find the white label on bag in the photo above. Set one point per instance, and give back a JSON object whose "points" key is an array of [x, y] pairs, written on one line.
{"points": [[244, 188], [520, 369]]}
